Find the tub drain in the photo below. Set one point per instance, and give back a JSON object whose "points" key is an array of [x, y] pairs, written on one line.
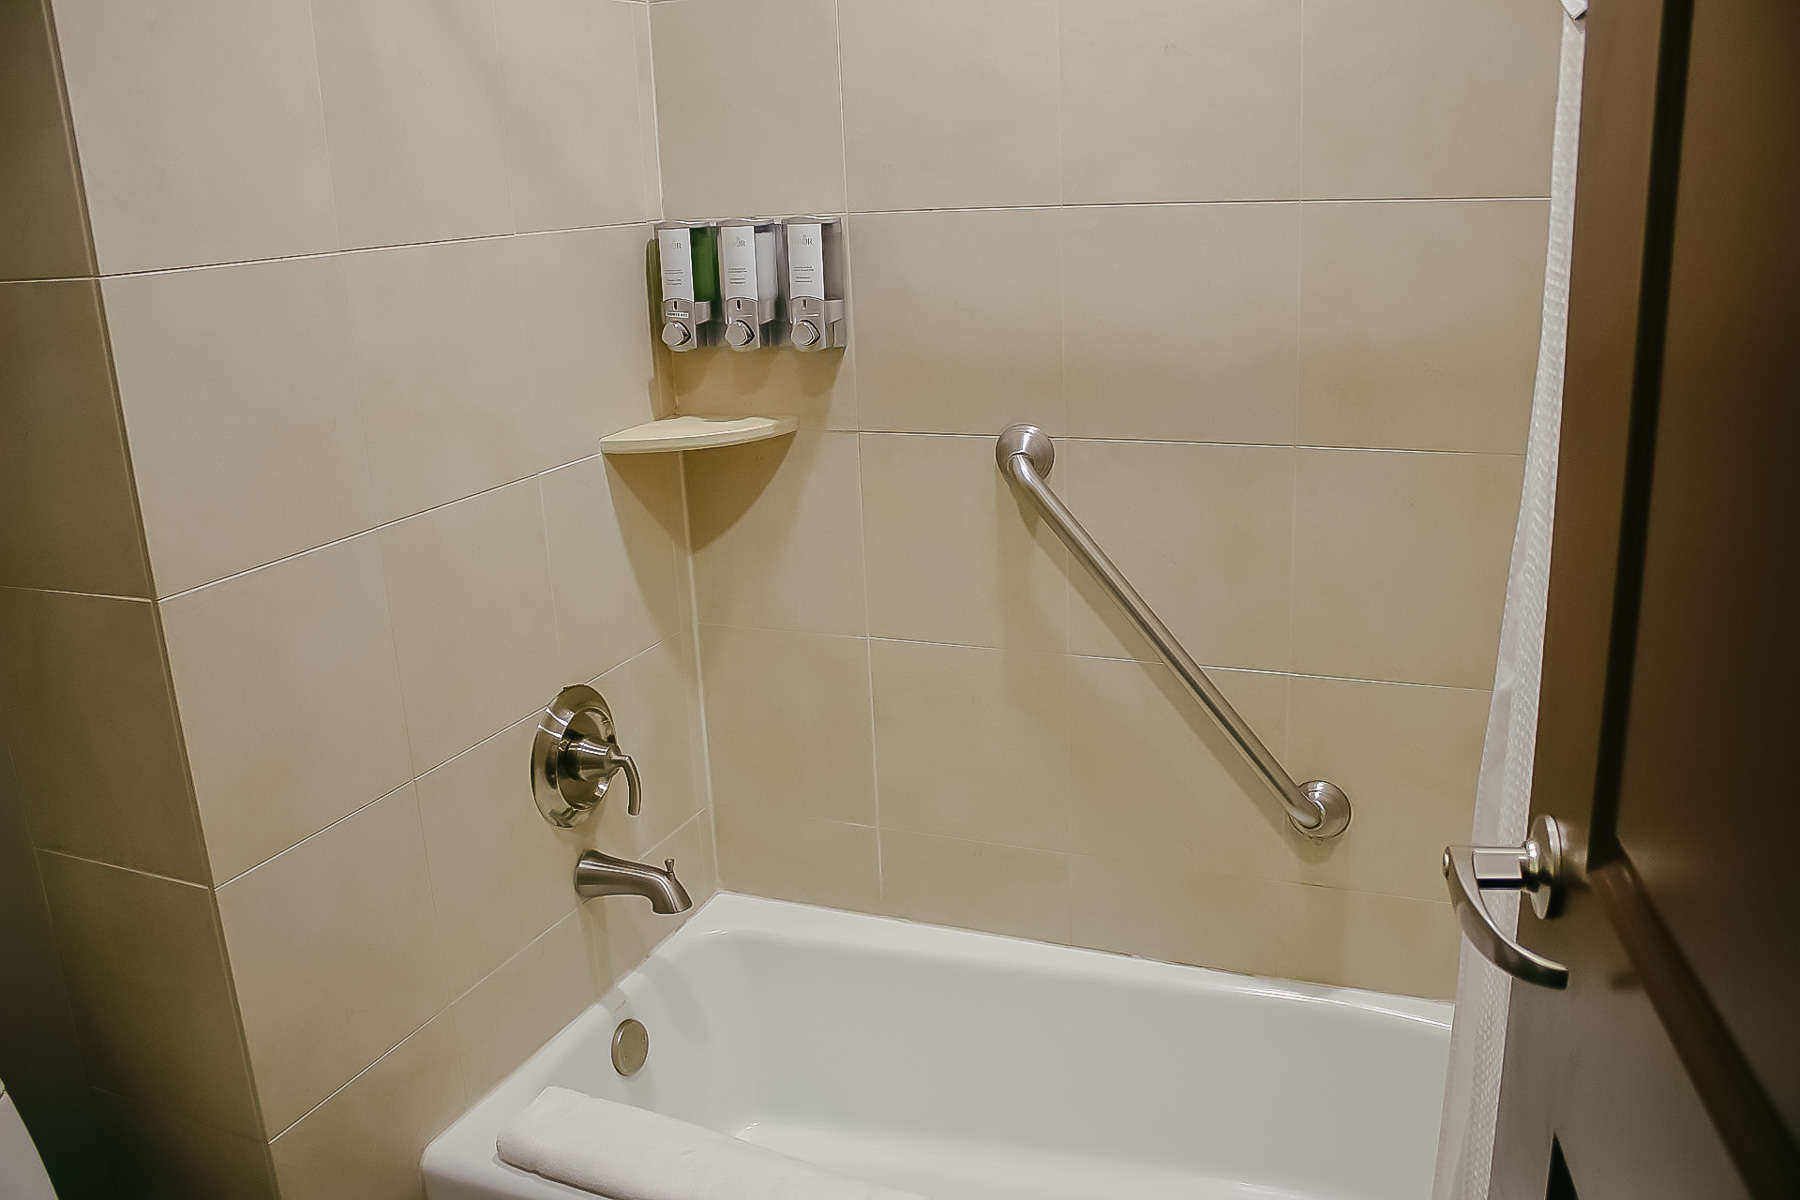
{"points": [[630, 1046]]}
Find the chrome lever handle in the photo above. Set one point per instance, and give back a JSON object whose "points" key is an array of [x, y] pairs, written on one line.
{"points": [[634, 787], [575, 756], [1536, 868]]}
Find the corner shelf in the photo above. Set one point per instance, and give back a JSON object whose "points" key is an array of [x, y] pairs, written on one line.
{"points": [[694, 433]]}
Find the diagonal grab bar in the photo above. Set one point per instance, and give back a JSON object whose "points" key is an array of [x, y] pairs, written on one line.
{"points": [[1317, 808]]}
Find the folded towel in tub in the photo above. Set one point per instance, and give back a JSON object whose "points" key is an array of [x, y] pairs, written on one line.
{"points": [[633, 1154]]}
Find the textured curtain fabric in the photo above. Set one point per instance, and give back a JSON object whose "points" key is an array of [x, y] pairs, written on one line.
{"points": [[1503, 793]]}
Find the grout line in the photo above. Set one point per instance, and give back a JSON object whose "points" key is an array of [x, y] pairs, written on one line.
{"points": [[100, 862], [862, 542], [693, 632]]}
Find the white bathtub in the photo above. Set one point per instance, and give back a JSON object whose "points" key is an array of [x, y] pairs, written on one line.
{"points": [[963, 1066]]}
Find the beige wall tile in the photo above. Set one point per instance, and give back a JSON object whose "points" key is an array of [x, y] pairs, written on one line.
{"points": [[1419, 324], [577, 120], [1204, 532], [804, 859], [469, 588], [364, 1143], [1187, 101], [418, 134], [621, 932], [335, 954], [201, 132], [583, 309], [953, 555], [1000, 889], [1153, 774], [1429, 97], [1182, 323], [788, 724], [43, 219], [289, 698], [617, 557], [1405, 561], [65, 476], [777, 529], [440, 329], [958, 320], [500, 873], [168, 1158], [242, 396], [950, 102], [747, 106], [504, 1019], [974, 744], [150, 990], [653, 699], [1408, 757], [819, 390], [76, 665], [1264, 927]]}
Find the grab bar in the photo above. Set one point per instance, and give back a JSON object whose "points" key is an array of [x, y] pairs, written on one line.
{"points": [[1317, 808]]}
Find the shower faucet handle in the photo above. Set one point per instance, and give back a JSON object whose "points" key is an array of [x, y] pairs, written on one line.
{"points": [[575, 757]]}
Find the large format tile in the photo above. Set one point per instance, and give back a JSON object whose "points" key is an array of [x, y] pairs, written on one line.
{"points": [[151, 990], [958, 320], [1429, 97], [242, 392], [953, 554], [365, 1142], [818, 390], [617, 557], [418, 136], [950, 103], [1000, 889], [747, 106], [1182, 322], [1204, 532], [1180, 912], [804, 859], [469, 588], [1419, 324], [574, 93], [975, 743], [201, 132], [584, 317], [167, 1157], [1153, 774], [335, 955], [1408, 758], [43, 219], [1180, 101], [1404, 557], [621, 935], [504, 1019], [788, 724], [80, 669], [289, 697], [777, 529], [447, 413], [65, 475], [499, 871]]}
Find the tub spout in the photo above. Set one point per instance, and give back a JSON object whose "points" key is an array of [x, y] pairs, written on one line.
{"points": [[598, 874]]}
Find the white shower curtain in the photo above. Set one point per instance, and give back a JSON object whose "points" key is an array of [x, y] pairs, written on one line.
{"points": [[1503, 792]]}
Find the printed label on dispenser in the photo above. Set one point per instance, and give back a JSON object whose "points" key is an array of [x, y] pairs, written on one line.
{"points": [[806, 260], [737, 256], [675, 249]]}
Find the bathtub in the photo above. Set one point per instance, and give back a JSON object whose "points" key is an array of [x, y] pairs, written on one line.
{"points": [[965, 1066]]}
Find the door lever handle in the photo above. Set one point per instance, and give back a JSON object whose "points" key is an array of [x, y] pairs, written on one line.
{"points": [[1538, 869]]}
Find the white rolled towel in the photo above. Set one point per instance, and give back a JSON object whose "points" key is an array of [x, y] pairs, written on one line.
{"points": [[630, 1153]]}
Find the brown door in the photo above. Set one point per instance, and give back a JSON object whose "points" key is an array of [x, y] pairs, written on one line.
{"points": [[1670, 1066]]}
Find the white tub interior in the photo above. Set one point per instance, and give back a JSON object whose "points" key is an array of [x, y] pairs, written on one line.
{"points": [[971, 1067]]}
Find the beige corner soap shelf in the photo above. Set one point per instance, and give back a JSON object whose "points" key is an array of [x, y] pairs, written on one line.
{"points": [[694, 433]]}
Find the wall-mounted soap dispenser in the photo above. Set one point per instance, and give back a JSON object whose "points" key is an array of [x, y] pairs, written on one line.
{"points": [[688, 254], [815, 283], [750, 274]]}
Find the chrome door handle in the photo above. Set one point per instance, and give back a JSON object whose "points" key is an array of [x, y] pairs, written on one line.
{"points": [[1538, 868]]}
